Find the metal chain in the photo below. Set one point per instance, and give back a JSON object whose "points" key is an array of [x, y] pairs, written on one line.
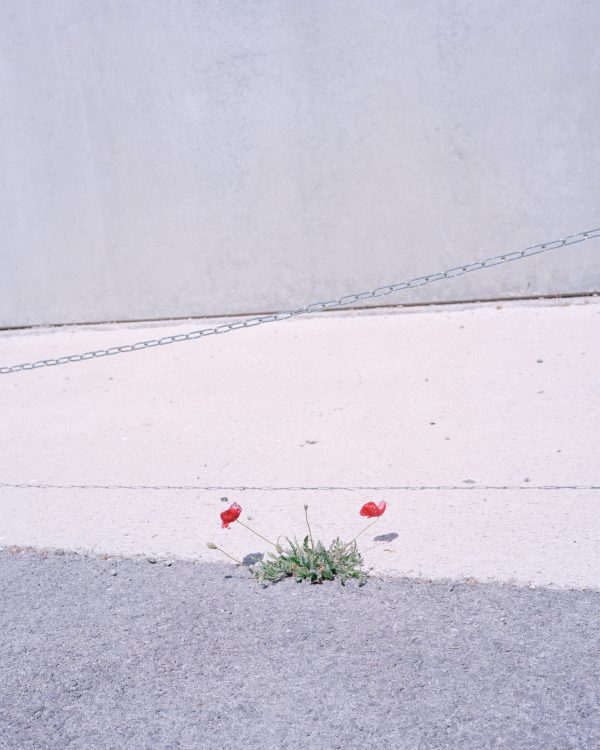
{"points": [[318, 488], [349, 299]]}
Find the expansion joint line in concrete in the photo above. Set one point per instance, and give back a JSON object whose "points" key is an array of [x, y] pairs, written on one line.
{"points": [[316, 488]]}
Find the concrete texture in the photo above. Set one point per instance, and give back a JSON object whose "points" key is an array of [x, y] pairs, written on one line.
{"points": [[121, 653], [167, 159], [132, 454]]}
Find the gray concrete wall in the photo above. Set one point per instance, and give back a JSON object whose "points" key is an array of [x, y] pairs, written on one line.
{"points": [[186, 157]]}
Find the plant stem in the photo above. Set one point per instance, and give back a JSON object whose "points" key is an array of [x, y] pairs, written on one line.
{"points": [[229, 556], [377, 544], [312, 544], [363, 531], [256, 532]]}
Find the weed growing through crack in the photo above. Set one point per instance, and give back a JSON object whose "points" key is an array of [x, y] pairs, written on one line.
{"points": [[307, 561]]}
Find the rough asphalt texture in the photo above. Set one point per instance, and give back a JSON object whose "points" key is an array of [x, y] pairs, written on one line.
{"points": [[131, 654]]}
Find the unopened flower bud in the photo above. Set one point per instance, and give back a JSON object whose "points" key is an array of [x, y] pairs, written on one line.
{"points": [[210, 545]]}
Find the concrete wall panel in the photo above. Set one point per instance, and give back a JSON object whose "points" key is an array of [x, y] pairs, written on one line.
{"points": [[206, 157]]}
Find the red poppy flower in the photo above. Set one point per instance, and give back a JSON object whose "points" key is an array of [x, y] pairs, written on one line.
{"points": [[372, 510], [231, 514]]}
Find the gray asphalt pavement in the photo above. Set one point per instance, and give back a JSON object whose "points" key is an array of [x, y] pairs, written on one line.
{"points": [[135, 654]]}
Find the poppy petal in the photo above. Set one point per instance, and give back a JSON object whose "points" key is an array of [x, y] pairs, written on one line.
{"points": [[372, 510], [230, 515]]}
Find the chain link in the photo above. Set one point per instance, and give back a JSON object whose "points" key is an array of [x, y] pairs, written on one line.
{"points": [[349, 299]]}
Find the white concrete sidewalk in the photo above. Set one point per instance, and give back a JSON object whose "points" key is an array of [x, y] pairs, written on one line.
{"points": [[470, 397]]}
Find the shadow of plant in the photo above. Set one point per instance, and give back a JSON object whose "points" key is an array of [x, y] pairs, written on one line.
{"points": [[386, 537], [252, 559]]}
